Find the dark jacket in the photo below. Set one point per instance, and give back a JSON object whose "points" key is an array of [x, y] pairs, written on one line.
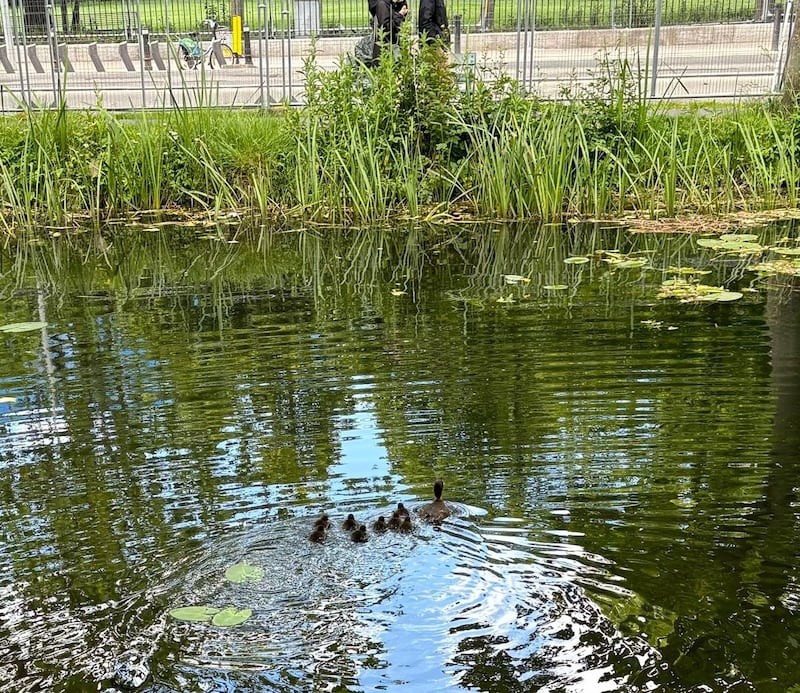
{"points": [[432, 19], [387, 19]]}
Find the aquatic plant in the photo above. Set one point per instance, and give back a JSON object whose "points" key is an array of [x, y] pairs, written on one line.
{"points": [[404, 139]]}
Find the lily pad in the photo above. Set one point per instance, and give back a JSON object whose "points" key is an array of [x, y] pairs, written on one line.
{"points": [[745, 237], [787, 251], [7, 400], [22, 326], [707, 242], [194, 613], [244, 572], [576, 260], [516, 279], [740, 247], [231, 616], [630, 264], [688, 270], [721, 297], [556, 287]]}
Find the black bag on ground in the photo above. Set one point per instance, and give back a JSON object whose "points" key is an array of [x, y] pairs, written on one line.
{"points": [[364, 50]]}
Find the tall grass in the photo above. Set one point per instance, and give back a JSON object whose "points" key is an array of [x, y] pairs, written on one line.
{"points": [[404, 140]]}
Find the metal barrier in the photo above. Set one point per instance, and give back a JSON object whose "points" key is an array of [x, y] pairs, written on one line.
{"points": [[132, 58]]}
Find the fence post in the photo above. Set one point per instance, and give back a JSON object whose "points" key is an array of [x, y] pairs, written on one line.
{"points": [[656, 42], [248, 53], [457, 34], [777, 19], [286, 66], [263, 54], [52, 41], [148, 58]]}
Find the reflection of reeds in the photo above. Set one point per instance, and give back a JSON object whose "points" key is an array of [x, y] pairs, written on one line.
{"points": [[354, 270]]}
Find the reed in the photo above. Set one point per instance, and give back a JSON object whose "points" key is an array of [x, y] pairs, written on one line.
{"points": [[404, 140]]}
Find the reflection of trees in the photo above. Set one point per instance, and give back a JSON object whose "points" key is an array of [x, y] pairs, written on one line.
{"points": [[240, 358]]}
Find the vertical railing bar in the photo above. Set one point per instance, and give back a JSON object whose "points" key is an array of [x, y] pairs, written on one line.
{"points": [[55, 67], [167, 42], [141, 50], [284, 30], [262, 42], [656, 42], [519, 39]]}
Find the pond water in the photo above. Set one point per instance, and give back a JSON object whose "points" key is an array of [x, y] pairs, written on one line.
{"points": [[622, 467]]}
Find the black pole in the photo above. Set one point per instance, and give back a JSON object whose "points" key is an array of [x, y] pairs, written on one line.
{"points": [[248, 54]]}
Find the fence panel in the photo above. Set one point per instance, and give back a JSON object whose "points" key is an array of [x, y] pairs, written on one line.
{"points": [[127, 53]]}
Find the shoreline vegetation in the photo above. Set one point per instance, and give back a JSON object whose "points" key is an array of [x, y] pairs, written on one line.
{"points": [[409, 139]]}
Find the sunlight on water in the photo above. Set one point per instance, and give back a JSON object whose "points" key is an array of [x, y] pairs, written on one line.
{"points": [[625, 494]]}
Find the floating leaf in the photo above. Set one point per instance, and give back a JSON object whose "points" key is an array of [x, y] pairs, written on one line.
{"points": [[7, 400], [686, 290], [576, 260], [741, 247], [721, 297], [231, 616], [506, 299], [194, 613], [688, 270], [22, 326], [766, 269], [516, 279], [708, 242], [244, 572], [556, 287], [746, 237], [787, 251], [630, 264]]}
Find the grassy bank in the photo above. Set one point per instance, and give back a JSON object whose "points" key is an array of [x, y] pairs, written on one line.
{"points": [[405, 139]]}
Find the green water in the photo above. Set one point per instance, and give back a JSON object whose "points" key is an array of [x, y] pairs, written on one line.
{"points": [[622, 467]]}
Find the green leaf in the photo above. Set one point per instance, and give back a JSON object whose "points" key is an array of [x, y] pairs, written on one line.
{"points": [[740, 247], [576, 260], [629, 264], [194, 613], [22, 326], [745, 237], [787, 251], [721, 297], [555, 287], [231, 617], [244, 572], [708, 242]]}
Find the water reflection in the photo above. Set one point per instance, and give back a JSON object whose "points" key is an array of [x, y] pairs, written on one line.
{"points": [[196, 402]]}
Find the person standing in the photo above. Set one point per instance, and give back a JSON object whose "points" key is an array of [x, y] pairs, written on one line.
{"points": [[433, 21], [388, 17]]}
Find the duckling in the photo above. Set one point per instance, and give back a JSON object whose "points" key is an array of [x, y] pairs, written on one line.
{"points": [[380, 525], [405, 525], [318, 535], [350, 523], [438, 509], [360, 535], [394, 521], [402, 511], [323, 522]]}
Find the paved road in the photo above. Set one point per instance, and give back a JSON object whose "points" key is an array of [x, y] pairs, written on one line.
{"points": [[691, 65]]}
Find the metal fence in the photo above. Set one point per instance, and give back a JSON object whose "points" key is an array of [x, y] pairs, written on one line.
{"points": [[132, 53]]}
